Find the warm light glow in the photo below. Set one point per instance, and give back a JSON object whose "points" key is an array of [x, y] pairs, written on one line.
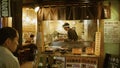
{"points": [[27, 19], [37, 8], [85, 22], [34, 21], [59, 27]]}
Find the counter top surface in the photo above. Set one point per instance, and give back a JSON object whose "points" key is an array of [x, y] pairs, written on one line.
{"points": [[68, 54]]}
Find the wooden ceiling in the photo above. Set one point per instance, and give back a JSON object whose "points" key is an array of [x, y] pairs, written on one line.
{"points": [[30, 3]]}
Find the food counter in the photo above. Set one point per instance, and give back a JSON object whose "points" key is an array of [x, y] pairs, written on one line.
{"points": [[68, 56], [68, 60]]}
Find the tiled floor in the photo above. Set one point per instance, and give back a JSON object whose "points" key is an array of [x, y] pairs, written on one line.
{"points": [[27, 65]]}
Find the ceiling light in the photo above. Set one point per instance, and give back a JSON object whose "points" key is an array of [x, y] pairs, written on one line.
{"points": [[37, 8]]}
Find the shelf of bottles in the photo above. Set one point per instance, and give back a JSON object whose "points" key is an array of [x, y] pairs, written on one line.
{"points": [[114, 62]]}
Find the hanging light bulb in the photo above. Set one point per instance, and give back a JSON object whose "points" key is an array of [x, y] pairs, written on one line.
{"points": [[37, 8]]}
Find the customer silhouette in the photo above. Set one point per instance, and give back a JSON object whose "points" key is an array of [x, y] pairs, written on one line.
{"points": [[8, 44]]}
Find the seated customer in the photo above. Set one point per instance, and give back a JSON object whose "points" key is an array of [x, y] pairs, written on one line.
{"points": [[30, 51], [8, 44], [31, 39]]}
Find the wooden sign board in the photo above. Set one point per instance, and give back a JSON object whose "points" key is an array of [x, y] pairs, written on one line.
{"points": [[5, 8], [112, 32]]}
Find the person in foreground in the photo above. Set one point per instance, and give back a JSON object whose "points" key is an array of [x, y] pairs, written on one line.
{"points": [[8, 44]]}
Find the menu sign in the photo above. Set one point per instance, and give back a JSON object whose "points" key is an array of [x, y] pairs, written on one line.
{"points": [[5, 8], [112, 32]]}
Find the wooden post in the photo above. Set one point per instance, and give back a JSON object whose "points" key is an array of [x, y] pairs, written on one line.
{"points": [[16, 13]]}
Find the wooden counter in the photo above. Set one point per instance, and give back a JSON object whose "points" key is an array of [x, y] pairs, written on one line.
{"points": [[69, 60]]}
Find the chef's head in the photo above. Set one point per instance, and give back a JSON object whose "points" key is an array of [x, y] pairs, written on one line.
{"points": [[66, 26]]}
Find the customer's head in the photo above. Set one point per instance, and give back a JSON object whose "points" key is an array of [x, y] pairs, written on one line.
{"points": [[66, 26], [9, 38], [32, 36]]}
